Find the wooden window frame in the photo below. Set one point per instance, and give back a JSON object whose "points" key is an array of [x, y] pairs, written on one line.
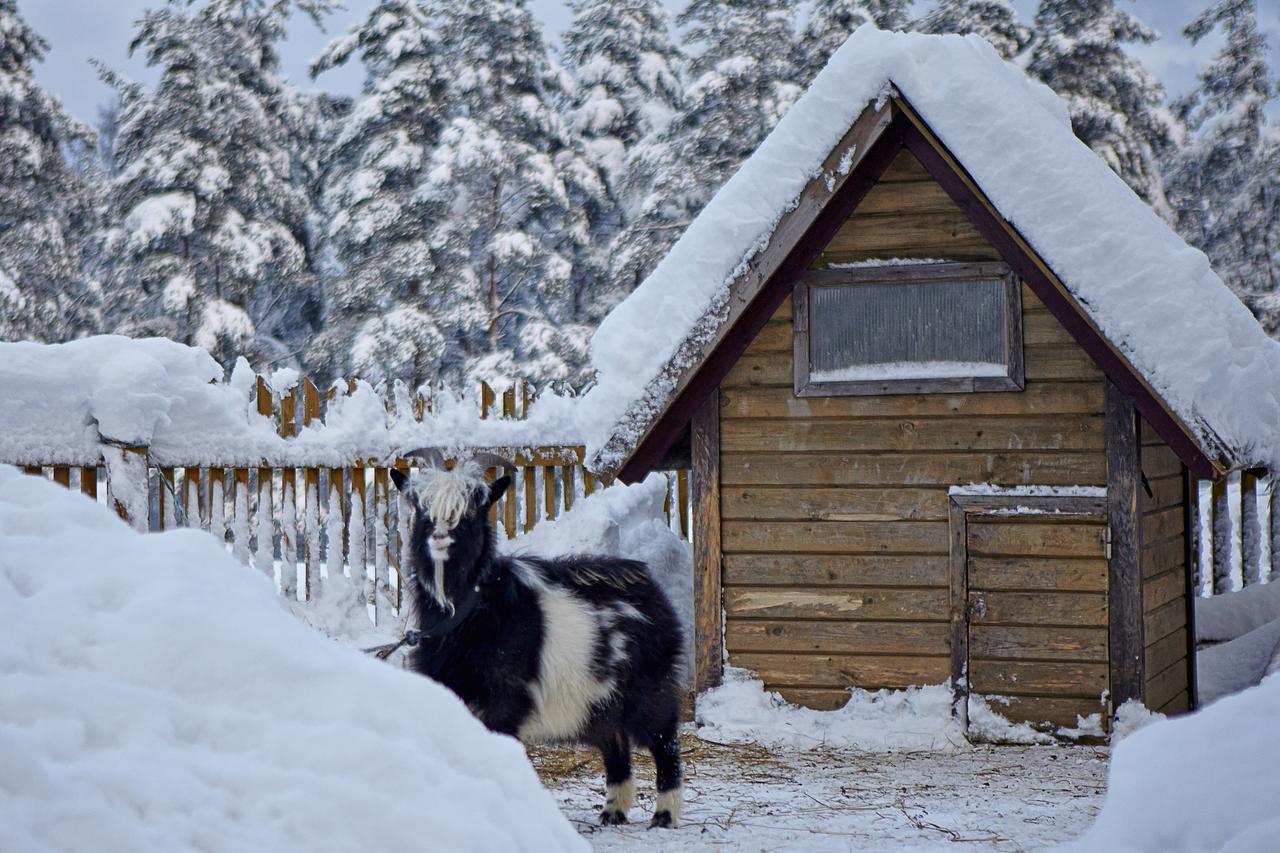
{"points": [[1013, 380]]}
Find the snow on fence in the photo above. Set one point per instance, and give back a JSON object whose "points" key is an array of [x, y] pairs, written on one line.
{"points": [[1237, 533], [326, 519]]}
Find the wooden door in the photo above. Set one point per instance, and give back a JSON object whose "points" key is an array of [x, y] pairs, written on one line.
{"points": [[1034, 595]]}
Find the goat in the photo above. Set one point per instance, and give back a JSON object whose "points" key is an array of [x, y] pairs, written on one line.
{"points": [[584, 650]]}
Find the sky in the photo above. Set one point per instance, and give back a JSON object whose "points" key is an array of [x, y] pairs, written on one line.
{"points": [[81, 30]]}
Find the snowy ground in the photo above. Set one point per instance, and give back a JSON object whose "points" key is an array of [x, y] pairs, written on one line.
{"points": [[745, 797]]}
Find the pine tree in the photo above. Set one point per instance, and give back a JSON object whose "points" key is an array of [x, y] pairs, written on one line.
{"points": [[626, 78], [1116, 106], [511, 195], [831, 22], [741, 82], [378, 266], [45, 204], [208, 241], [1225, 181], [994, 20]]}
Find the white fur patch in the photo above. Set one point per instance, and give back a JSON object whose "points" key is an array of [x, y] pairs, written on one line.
{"points": [[445, 495], [566, 689], [670, 801], [620, 797]]}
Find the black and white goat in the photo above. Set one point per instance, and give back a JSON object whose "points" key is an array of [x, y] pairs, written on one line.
{"points": [[583, 650]]}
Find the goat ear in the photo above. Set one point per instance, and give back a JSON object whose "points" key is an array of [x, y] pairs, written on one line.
{"points": [[496, 489], [401, 480]]}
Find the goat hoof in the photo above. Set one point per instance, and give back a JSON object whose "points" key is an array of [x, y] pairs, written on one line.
{"points": [[612, 818], [661, 820]]}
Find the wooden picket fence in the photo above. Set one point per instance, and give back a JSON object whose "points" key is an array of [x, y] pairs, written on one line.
{"points": [[1238, 535], [309, 523]]}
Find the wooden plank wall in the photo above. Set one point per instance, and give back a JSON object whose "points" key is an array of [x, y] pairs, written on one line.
{"points": [[1165, 579], [834, 509]]}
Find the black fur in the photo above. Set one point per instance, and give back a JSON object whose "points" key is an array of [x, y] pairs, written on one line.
{"points": [[488, 649]]}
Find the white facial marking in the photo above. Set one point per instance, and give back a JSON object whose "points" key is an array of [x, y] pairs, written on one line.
{"points": [[566, 689], [670, 801], [620, 797]]}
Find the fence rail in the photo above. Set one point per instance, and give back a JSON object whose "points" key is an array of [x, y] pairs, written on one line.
{"points": [[305, 524]]}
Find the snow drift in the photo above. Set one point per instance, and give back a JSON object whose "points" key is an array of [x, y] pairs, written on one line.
{"points": [[1245, 625], [158, 696], [58, 400], [1200, 782]]}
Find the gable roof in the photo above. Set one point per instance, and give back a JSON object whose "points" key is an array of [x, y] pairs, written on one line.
{"points": [[1159, 322]]}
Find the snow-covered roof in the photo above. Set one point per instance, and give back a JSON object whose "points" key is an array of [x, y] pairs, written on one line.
{"points": [[1154, 297]]}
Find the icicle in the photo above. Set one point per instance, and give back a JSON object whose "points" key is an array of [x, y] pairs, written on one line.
{"points": [[240, 521], [127, 484], [266, 553], [333, 528], [404, 520], [313, 525], [217, 509], [286, 573]]}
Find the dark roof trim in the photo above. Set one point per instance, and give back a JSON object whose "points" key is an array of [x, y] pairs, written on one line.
{"points": [[947, 171]]}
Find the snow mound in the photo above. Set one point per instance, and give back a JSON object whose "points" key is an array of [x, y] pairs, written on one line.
{"points": [[158, 697], [1199, 782], [622, 521], [1233, 614], [1131, 273], [740, 710]]}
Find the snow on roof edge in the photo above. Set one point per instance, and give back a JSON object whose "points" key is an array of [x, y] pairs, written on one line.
{"points": [[1136, 278]]}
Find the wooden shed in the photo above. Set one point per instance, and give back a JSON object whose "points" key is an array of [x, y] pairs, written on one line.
{"points": [[916, 457]]}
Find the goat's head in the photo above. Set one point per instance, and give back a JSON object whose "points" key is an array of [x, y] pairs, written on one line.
{"points": [[450, 540]]}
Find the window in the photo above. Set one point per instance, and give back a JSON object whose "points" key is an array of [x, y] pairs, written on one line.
{"points": [[908, 329]]}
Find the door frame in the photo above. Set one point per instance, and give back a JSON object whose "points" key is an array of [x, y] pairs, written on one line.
{"points": [[1000, 502]]}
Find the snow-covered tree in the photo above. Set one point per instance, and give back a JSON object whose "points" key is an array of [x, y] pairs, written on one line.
{"points": [[741, 82], [207, 243], [994, 20], [510, 194], [626, 78], [1117, 107], [383, 306], [831, 22], [1224, 182], [45, 204]]}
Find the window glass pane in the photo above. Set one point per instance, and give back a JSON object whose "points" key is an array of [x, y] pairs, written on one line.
{"points": [[907, 331]]}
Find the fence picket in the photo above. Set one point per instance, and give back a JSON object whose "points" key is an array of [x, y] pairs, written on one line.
{"points": [[335, 526], [312, 567], [356, 538], [191, 497], [217, 504], [291, 579], [1221, 537], [1250, 531], [62, 476], [381, 524], [404, 515]]}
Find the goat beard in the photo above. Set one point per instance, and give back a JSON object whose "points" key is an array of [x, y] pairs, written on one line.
{"points": [[437, 590]]}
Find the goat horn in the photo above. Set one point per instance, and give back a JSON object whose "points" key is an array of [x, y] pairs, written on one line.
{"points": [[493, 460], [430, 455]]}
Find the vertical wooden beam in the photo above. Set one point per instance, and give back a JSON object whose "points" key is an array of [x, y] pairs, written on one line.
{"points": [[529, 476], [89, 481], [1220, 521], [166, 495], [404, 519], [242, 523], [264, 527], [682, 500], [191, 496], [312, 567], [288, 580], [1250, 530], [1191, 509], [62, 476], [708, 630], [1124, 516], [958, 610], [218, 504], [568, 484], [1275, 527]]}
